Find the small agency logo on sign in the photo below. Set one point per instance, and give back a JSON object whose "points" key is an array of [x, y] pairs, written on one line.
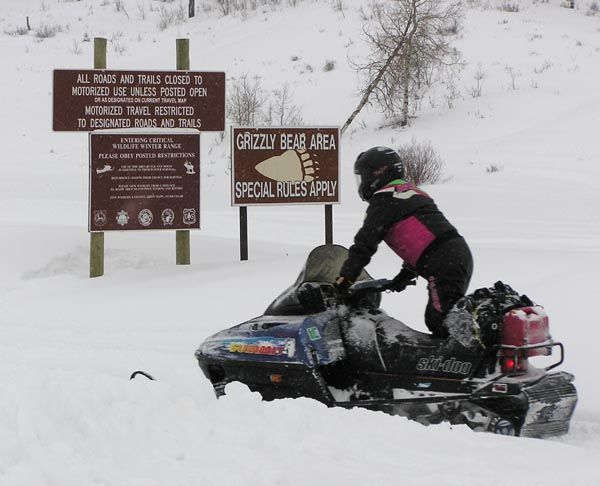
{"points": [[122, 218], [100, 217], [285, 165], [189, 216], [145, 217], [168, 216]]}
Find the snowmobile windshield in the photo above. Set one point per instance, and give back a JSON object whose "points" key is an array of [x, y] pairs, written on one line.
{"points": [[322, 266]]}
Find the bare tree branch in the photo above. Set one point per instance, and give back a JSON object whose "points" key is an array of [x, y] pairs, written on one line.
{"points": [[409, 50], [373, 84]]}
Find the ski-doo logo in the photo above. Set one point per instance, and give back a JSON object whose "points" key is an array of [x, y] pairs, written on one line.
{"points": [[444, 365], [279, 348]]}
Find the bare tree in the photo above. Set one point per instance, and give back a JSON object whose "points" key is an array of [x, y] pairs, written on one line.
{"points": [[410, 49], [422, 163], [245, 101], [226, 6], [248, 104], [282, 111]]}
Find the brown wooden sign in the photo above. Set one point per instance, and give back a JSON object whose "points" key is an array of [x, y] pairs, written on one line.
{"points": [[144, 181], [285, 166], [86, 100]]}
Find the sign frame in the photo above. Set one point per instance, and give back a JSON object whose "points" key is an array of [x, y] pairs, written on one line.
{"points": [[286, 127]]}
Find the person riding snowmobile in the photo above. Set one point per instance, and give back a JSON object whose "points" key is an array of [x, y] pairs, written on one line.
{"points": [[408, 220]]}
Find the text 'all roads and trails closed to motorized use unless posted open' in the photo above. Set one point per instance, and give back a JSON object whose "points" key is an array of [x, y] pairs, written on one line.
{"points": [[87, 100]]}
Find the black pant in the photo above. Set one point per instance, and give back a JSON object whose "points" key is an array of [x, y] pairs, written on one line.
{"points": [[447, 268]]}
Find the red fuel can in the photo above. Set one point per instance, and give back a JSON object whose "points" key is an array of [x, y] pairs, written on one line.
{"points": [[527, 326]]}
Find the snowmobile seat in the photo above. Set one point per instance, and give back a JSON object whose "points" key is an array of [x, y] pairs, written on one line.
{"points": [[378, 342]]}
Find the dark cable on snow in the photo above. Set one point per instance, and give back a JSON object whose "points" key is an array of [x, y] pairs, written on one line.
{"points": [[143, 373]]}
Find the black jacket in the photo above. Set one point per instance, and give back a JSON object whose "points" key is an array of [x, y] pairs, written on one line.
{"points": [[407, 219]]}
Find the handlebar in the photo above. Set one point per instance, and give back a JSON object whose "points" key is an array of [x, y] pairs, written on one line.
{"points": [[379, 285]]}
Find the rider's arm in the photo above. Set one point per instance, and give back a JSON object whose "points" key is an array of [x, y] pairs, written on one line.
{"points": [[373, 231]]}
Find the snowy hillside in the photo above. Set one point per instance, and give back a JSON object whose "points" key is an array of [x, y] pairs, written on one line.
{"points": [[521, 183]]}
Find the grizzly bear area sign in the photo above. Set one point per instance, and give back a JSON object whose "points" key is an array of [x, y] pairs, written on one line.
{"points": [[144, 181], [285, 165]]}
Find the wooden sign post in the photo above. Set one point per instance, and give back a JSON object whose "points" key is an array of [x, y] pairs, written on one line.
{"points": [[97, 238], [182, 237], [328, 224]]}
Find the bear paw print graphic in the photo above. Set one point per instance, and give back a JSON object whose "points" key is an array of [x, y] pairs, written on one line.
{"points": [[292, 165]]}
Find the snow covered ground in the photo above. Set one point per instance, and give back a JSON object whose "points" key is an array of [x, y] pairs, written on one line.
{"points": [[69, 414]]}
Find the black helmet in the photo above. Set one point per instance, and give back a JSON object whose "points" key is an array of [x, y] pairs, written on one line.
{"points": [[375, 168]]}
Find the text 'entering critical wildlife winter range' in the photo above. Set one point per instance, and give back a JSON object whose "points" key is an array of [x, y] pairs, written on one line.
{"points": [[285, 165]]}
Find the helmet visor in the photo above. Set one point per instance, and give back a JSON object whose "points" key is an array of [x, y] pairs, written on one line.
{"points": [[359, 185]]}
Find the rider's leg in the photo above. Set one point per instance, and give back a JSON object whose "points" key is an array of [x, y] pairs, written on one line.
{"points": [[448, 272]]}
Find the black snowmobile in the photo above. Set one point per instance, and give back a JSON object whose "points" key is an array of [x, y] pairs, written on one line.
{"points": [[349, 353]]}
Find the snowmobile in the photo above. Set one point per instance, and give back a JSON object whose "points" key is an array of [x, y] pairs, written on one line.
{"points": [[312, 342]]}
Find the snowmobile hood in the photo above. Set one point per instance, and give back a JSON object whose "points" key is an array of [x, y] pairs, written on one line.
{"points": [[296, 339]]}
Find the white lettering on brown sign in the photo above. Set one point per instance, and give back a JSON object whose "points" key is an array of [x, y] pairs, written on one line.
{"points": [[285, 165], [87, 100], [144, 181]]}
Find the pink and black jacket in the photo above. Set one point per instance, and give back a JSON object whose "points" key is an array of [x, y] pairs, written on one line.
{"points": [[407, 219]]}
